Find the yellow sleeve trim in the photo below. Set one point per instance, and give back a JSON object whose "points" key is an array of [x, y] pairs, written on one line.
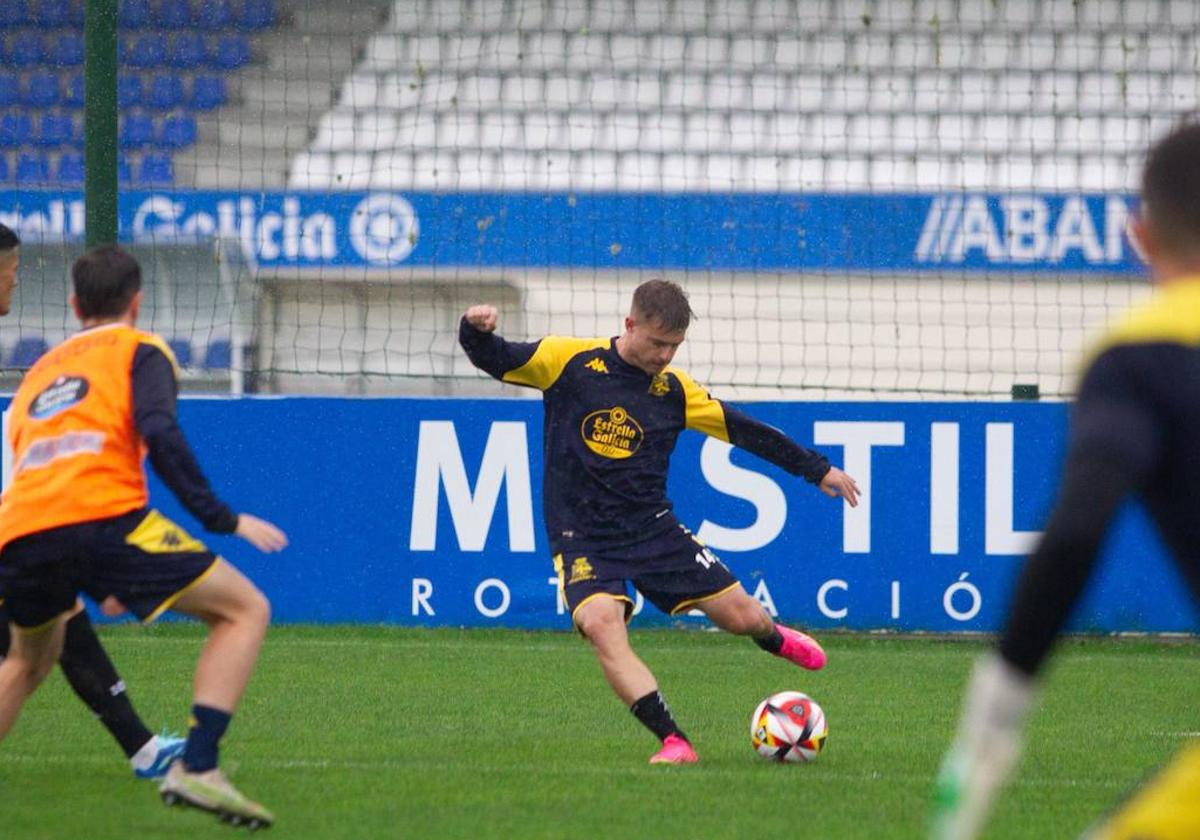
{"points": [[701, 412], [549, 359], [157, 341], [1171, 315]]}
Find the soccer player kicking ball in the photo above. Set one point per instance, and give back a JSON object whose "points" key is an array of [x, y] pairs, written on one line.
{"points": [[85, 664], [75, 519], [613, 410], [1133, 432]]}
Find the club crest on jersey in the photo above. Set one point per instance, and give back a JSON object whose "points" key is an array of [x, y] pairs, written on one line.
{"points": [[581, 570], [597, 364], [63, 393], [611, 432], [660, 385]]}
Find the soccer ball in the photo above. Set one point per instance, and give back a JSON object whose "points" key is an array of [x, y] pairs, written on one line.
{"points": [[788, 727]]}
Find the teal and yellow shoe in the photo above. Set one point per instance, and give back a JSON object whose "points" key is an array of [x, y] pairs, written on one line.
{"points": [[169, 748]]}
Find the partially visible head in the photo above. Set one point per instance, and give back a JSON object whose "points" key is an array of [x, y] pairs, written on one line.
{"points": [[1169, 228], [107, 283], [10, 259], [656, 325]]}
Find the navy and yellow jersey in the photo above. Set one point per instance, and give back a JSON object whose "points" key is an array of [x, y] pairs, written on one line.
{"points": [[1133, 432], [1139, 404], [610, 429]]}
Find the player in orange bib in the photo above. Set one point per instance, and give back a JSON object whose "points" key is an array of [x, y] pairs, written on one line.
{"points": [[84, 661], [75, 519]]}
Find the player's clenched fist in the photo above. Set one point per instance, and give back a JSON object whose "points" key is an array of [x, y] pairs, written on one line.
{"points": [[483, 317]]}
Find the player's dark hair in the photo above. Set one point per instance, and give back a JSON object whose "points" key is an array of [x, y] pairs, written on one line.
{"points": [[665, 302], [1171, 190], [105, 278], [8, 239]]}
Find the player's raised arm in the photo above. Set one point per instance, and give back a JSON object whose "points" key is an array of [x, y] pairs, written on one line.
{"points": [[534, 364], [154, 414], [723, 421]]}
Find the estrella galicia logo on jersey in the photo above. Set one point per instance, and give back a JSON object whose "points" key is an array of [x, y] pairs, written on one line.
{"points": [[660, 386], [63, 393], [611, 432]]}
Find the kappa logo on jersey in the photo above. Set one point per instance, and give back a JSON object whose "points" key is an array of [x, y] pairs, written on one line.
{"points": [[597, 364], [63, 393], [611, 432], [581, 570], [660, 386]]}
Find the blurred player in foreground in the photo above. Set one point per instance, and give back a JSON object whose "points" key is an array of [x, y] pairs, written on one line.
{"points": [[84, 661], [75, 519], [613, 410], [1133, 432]]}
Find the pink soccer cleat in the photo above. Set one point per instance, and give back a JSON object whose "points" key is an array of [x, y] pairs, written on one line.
{"points": [[801, 648], [675, 750]]}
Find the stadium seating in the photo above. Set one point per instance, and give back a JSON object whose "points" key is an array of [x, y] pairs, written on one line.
{"points": [[26, 351], [698, 94], [176, 58]]}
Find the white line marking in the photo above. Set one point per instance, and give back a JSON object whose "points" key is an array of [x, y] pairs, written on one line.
{"points": [[476, 768]]}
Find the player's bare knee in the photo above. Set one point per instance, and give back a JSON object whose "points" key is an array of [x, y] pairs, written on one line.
{"points": [[601, 627], [255, 608]]}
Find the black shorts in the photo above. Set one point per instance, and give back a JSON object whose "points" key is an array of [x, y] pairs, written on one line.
{"points": [[674, 572], [142, 558]]}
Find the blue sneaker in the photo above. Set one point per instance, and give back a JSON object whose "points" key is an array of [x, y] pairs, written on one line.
{"points": [[170, 747]]}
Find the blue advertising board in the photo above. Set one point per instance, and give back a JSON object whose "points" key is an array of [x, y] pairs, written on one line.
{"points": [[427, 512], [875, 232]]}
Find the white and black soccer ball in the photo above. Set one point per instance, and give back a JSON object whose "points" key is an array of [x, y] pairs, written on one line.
{"points": [[788, 727]]}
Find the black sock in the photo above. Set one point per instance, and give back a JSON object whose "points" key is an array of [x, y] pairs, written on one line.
{"points": [[204, 733], [93, 677], [772, 643], [652, 711]]}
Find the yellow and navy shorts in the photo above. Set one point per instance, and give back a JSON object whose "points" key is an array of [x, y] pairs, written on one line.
{"points": [[142, 558], [674, 571]]}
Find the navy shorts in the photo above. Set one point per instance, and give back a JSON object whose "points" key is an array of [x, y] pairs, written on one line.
{"points": [[142, 558], [674, 572]]}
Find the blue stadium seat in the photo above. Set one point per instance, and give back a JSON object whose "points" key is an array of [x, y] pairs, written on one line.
{"points": [[33, 169], [27, 351], [166, 92], [129, 91], [124, 171], [66, 50], [56, 130], [218, 355], [3, 167], [14, 13], [156, 170], [24, 50], [74, 95], [52, 14], [41, 90], [10, 90], [182, 348], [208, 92], [174, 14], [232, 52], [188, 50], [16, 130], [214, 15], [149, 50], [136, 130], [256, 14], [70, 169], [178, 132], [134, 14]]}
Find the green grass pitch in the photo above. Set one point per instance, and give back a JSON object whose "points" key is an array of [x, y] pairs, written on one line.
{"points": [[384, 733]]}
